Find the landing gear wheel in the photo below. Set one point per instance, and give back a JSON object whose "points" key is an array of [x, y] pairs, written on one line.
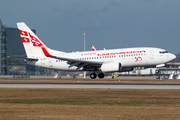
{"points": [[101, 75], [93, 75]]}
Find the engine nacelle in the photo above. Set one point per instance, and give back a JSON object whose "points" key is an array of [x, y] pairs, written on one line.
{"points": [[111, 67], [114, 67]]}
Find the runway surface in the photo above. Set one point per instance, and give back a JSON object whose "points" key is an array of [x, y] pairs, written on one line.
{"points": [[81, 86], [119, 83]]}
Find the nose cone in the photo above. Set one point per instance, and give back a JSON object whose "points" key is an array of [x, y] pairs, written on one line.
{"points": [[172, 56]]}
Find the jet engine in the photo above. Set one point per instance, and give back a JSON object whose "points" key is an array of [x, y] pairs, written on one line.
{"points": [[111, 67], [114, 67]]}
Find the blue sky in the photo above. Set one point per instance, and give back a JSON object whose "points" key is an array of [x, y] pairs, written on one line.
{"points": [[109, 23]]}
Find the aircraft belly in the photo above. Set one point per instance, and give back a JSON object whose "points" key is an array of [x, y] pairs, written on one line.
{"points": [[63, 66]]}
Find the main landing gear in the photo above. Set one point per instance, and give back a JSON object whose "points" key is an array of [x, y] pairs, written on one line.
{"points": [[93, 75]]}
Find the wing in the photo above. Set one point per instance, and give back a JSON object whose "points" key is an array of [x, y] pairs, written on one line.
{"points": [[86, 65]]}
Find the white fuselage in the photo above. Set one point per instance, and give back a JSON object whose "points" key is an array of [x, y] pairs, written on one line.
{"points": [[128, 57]]}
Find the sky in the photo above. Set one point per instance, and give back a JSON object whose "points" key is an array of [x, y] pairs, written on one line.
{"points": [[109, 24]]}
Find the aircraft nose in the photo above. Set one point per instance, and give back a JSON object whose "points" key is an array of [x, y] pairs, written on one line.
{"points": [[172, 56]]}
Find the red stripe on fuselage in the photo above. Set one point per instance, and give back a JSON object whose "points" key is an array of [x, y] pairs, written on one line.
{"points": [[46, 52]]}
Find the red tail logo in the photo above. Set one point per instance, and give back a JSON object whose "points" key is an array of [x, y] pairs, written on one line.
{"points": [[25, 40], [24, 33], [35, 41], [92, 47]]}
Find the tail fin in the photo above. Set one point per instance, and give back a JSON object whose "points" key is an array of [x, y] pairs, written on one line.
{"points": [[32, 44], [93, 48]]}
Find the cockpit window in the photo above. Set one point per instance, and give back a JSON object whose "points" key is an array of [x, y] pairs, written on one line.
{"points": [[163, 52]]}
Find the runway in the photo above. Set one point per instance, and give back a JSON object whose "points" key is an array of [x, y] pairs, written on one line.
{"points": [[119, 83], [89, 86]]}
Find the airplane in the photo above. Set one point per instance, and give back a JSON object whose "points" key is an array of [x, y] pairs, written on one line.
{"points": [[99, 61], [93, 48]]}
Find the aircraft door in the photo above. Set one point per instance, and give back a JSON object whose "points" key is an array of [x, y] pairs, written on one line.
{"points": [[151, 54], [50, 63]]}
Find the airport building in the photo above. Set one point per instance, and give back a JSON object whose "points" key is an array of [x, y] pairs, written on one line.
{"points": [[11, 46]]}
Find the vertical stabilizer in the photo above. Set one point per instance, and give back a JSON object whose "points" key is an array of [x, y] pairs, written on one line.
{"points": [[93, 48], [32, 44]]}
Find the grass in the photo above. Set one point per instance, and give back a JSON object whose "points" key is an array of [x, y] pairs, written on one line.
{"points": [[88, 104]]}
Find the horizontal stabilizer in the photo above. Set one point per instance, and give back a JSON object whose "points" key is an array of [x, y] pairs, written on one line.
{"points": [[23, 58]]}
